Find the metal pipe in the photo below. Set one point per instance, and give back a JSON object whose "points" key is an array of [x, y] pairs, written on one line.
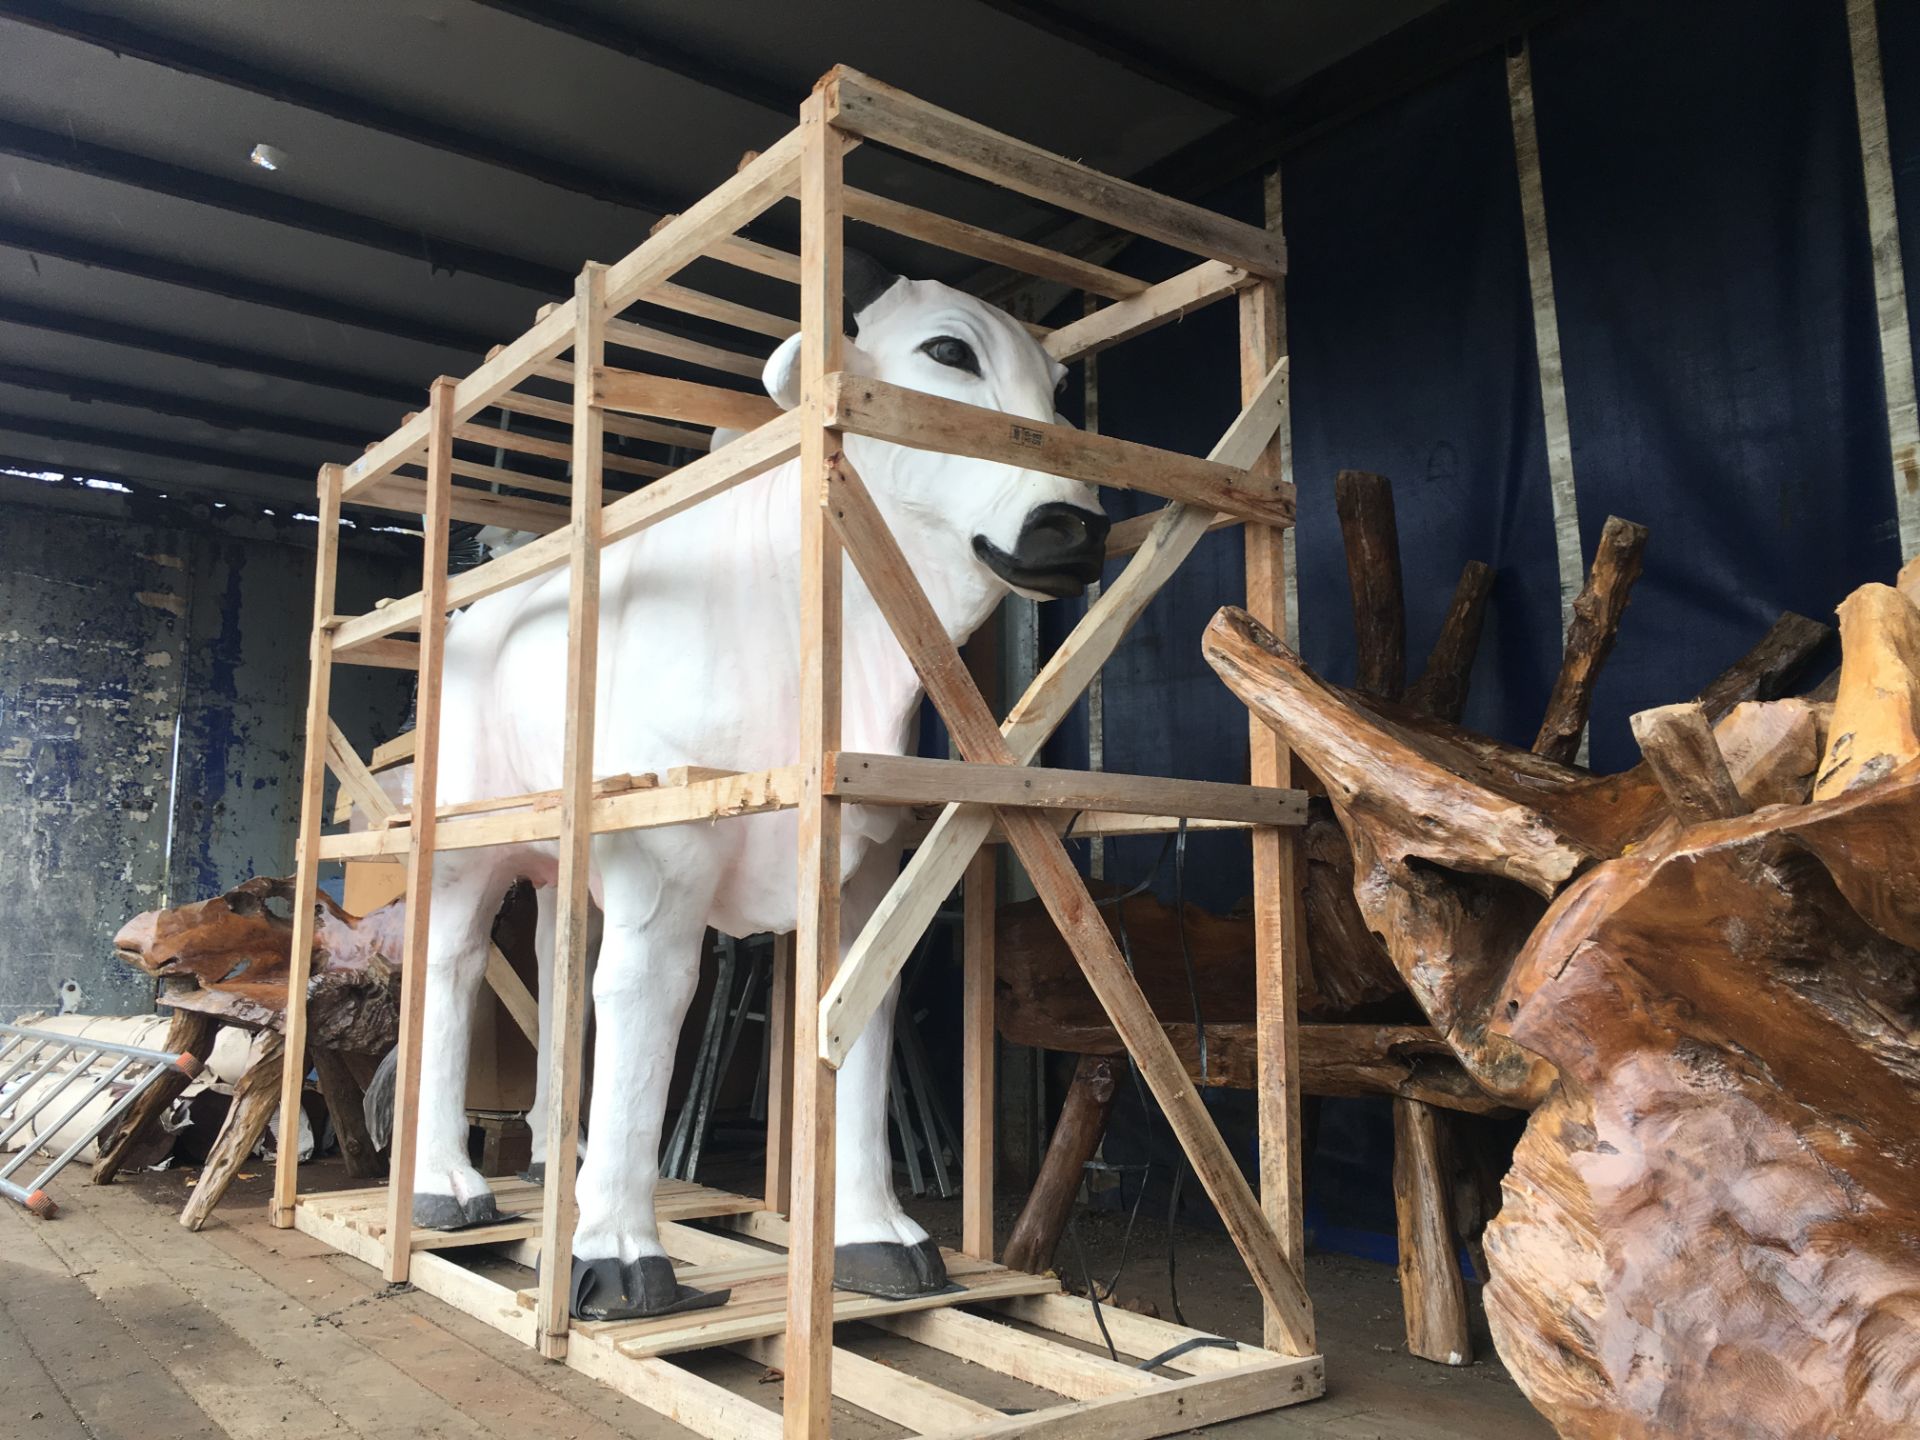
{"points": [[73, 1110]]}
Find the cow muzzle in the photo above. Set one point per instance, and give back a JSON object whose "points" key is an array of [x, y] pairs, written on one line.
{"points": [[1060, 551]]}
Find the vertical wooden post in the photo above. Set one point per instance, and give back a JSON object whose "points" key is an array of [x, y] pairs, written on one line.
{"points": [[558, 1211], [977, 1042], [1277, 920], [306, 884], [420, 834], [809, 1369], [779, 1184]]}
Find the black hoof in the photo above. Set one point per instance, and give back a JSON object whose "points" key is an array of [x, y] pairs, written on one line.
{"points": [[536, 1173], [445, 1212], [610, 1290], [890, 1269]]}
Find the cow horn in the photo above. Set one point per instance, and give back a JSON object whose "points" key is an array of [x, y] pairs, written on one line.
{"points": [[864, 281]]}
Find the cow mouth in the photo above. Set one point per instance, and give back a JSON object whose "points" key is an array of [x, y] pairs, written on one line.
{"points": [[1060, 552]]}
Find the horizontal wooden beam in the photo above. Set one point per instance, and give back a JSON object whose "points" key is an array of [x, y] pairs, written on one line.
{"points": [[863, 106], [862, 406], [680, 399], [551, 449], [1135, 315], [1130, 534], [750, 793], [561, 411], [629, 335], [407, 495], [669, 296], [752, 454], [996, 249], [912, 780], [384, 655]]}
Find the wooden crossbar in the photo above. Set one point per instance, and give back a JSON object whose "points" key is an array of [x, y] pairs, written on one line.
{"points": [[680, 399], [863, 106], [918, 627], [1147, 310], [863, 406]]}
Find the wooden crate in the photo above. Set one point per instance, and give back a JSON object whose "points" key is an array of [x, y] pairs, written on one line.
{"points": [[1008, 1323], [820, 1005]]}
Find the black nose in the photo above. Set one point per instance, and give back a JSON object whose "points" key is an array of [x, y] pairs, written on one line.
{"points": [[1060, 550]]}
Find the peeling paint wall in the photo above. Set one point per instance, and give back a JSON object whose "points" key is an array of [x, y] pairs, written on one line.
{"points": [[118, 640]]}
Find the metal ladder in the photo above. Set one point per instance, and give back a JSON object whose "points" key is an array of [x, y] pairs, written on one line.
{"points": [[72, 1057]]}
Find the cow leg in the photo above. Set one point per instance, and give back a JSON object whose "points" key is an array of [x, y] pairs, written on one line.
{"points": [[448, 1193], [877, 1249], [547, 917], [655, 918]]}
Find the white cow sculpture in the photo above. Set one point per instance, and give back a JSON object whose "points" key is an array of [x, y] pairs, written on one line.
{"points": [[699, 665]]}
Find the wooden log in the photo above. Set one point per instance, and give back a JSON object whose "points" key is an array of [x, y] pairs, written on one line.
{"points": [[1076, 1135], [188, 1032], [1596, 623], [1678, 743], [1773, 749], [346, 1099], [1365, 506], [1876, 714], [255, 1099], [1431, 1292], [1441, 690]]}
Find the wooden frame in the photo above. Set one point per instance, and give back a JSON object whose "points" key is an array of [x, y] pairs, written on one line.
{"points": [[991, 795]]}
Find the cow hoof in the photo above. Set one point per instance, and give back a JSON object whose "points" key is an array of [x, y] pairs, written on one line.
{"points": [[889, 1269], [449, 1212], [609, 1289], [536, 1173]]}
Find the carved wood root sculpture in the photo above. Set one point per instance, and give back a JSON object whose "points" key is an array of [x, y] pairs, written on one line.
{"points": [[1705, 976]]}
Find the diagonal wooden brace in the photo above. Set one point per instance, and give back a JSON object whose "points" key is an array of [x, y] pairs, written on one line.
{"points": [[878, 557], [895, 927]]}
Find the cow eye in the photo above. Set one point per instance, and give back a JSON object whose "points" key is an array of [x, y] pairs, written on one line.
{"points": [[951, 351]]}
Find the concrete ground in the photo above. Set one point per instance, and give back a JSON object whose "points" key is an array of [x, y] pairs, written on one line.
{"points": [[116, 1322]]}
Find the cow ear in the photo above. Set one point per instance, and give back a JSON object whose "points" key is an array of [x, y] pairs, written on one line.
{"points": [[782, 373]]}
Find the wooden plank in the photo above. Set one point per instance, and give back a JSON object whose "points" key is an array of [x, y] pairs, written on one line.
{"points": [[745, 254], [498, 439], [996, 249], [778, 1184], [865, 107], [356, 781], [1172, 1407], [1279, 921], [544, 409], [1168, 301], [426, 772], [919, 1405], [723, 312], [896, 926], [676, 1393], [921, 634], [1025, 1356], [1141, 1336], [809, 1301], [558, 1210], [384, 655], [396, 751], [306, 881], [681, 399], [751, 793], [1130, 534], [752, 454], [407, 495], [630, 336], [914, 780], [977, 1051], [863, 406]]}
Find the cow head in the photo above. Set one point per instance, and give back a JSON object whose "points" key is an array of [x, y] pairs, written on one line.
{"points": [[973, 527]]}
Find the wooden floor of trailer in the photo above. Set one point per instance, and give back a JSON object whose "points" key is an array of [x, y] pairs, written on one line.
{"points": [[115, 1321]]}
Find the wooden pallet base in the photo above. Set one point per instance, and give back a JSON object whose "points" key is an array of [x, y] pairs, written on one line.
{"points": [[1010, 1323]]}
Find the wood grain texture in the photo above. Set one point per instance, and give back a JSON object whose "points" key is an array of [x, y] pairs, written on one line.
{"points": [[1056, 1189], [1364, 503], [1677, 742], [1432, 1294], [1596, 623]]}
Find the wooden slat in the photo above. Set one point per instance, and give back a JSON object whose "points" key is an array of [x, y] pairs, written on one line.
{"points": [[407, 494], [1011, 1351], [567, 1040], [752, 454], [1278, 920], [1130, 534], [977, 1048], [677, 1393], [497, 438], [896, 926], [915, 780], [545, 409], [864, 406], [1168, 301], [426, 771], [996, 249], [879, 112], [630, 336], [778, 1184], [722, 312], [809, 1302], [384, 655], [681, 399], [306, 881], [1141, 1336], [1172, 1407], [919, 1405], [921, 634]]}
